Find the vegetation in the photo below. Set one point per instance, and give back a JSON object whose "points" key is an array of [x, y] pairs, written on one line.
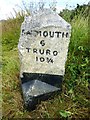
{"points": [[73, 101]]}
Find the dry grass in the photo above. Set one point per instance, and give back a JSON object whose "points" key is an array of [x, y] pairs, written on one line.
{"points": [[74, 96]]}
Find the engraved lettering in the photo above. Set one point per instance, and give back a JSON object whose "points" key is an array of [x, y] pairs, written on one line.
{"points": [[51, 34], [41, 51], [67, 34], [42, 42], [36, 58], [45, 33], [49, 60], [28, 49], [28, 33], [55, 53], [42, 59], [47, 52], [39, 33], [34, 50], [62, 34], [23, 30], [58, 33]]}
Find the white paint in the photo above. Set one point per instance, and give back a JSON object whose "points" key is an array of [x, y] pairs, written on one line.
{"points": [[55, 48]]}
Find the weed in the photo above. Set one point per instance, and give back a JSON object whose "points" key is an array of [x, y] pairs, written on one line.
{"points": [[73, 102]]}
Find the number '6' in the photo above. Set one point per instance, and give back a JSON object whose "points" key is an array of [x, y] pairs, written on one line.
{"points": [[42, 42]]}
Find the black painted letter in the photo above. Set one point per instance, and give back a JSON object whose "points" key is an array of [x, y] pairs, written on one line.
{"points": [[41, 51], [67, 34], [47, 52], [58, 34], [49, 60], [45, 33], [51, 34], [42, 59], [28, 49], [42, 42], [34, 50], [55, 53]]}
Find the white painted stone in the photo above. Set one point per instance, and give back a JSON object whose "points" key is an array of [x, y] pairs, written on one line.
{"points": [[32, 42]]}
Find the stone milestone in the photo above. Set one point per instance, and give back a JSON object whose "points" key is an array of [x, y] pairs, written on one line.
{"points": [[43, 48]]}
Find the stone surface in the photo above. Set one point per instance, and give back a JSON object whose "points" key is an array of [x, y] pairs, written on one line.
{"points": [[35, 89], [43, 43], [43, 47], [42, 88]]}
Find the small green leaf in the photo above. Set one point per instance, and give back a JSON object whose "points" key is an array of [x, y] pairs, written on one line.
{"points": [[80, 48], [83, 65], [64, 113], [86, 59], [70, 91]]}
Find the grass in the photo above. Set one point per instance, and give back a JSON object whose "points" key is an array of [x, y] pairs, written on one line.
{"points": [[73, 101], [0, 72]]}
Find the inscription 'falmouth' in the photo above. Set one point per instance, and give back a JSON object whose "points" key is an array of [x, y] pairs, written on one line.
{"points": [[50, 34]]}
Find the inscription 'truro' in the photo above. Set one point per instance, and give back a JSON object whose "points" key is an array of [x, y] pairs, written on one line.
{"points": [[42, 51]]}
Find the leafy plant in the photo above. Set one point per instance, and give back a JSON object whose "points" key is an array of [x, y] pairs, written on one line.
{"points": [[64, 113], [73, 101]]}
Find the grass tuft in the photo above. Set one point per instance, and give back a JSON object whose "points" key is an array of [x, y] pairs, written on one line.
{"points": [[73, 102]]}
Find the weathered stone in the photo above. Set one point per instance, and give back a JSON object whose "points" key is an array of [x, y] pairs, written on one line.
{"points": [[35, 89], [43, 47], [43, 43]]}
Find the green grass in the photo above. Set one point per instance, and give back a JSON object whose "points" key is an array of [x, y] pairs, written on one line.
{"points": [[73, 101]]}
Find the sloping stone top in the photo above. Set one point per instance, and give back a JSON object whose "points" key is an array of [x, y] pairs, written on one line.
{"points": [[44, 18]]}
